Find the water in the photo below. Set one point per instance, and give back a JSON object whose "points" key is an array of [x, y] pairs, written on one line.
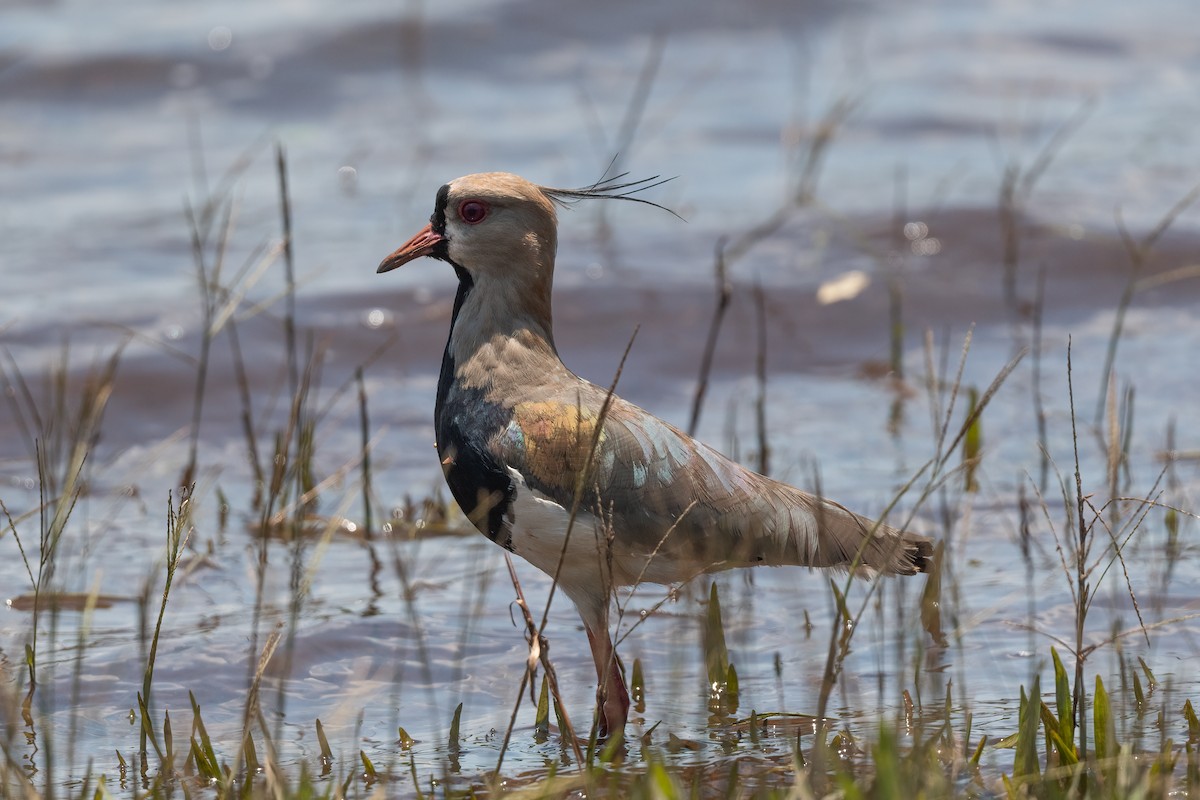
{"points": [[115, 119]]}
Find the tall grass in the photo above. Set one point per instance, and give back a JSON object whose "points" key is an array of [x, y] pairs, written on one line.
{"points": [[1096, 734], [1016, 188], [61, 425]]}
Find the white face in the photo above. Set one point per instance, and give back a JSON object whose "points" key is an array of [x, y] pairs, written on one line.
{"points": [[492, 224], [498, 224]]}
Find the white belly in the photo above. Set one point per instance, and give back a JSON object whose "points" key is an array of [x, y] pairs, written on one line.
{"points": [[592, 558]]}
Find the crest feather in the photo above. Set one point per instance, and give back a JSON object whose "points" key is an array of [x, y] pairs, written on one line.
{"points": [[614, 188]]}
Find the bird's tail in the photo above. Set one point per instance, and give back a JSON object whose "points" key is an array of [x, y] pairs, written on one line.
{"points": [[848, 540]]}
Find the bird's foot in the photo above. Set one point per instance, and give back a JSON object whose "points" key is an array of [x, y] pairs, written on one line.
{"points": [[613, 703]]}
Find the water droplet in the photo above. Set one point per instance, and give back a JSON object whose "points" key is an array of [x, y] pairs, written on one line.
{"points": [[219, 38], [594, 271], [377, 318], [174, 332], [915, 230], [348, 179], [927, 247]]}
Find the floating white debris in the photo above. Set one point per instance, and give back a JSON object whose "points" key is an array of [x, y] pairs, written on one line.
{"points": [[843, 287]]}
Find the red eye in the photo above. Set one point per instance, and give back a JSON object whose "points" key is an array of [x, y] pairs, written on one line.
{"points": [[472, 211]]}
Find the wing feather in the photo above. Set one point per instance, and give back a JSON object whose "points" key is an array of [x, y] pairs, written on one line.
{"points": [[645, 474]]}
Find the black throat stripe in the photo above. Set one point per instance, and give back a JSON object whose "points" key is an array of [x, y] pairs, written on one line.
{"points": [[464, 422], [438, 220], [441, 250]]}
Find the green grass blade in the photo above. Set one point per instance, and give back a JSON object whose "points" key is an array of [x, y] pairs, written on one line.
{"points": [[1151, 681], [637, 687], [541, 723], [405, 741], [206, 765], [716, 656], [1102, 722], [931, 598], [1062, 697], [168, 739], [731, 690], [972, 442], [614, 748], [250, 754], [661, 785], [326, 751], [978, 751], [455, 724], [1025, 762], [889, 776], [1066, 750], [198, 729], [1189, 714], [147, 728]]}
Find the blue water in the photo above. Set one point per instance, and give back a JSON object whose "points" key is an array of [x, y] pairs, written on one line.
{"points": [[114, 119]]}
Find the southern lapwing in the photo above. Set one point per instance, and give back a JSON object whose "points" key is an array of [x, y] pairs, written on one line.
{"points": [[520, 436]]}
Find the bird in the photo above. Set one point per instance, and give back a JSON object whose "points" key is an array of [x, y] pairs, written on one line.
{"points": [[593, 490]]}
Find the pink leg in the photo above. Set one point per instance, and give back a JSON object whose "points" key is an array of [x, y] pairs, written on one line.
{"points": [[612, 696]]}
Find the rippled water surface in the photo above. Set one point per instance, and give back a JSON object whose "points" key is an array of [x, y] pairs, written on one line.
{"points": [[117, 120]]}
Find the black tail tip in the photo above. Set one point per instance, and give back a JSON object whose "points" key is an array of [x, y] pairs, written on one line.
{"points": [[920, 554]]}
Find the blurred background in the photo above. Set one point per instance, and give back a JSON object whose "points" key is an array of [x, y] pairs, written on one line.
{"points": [[890, 174], [113, 115]]}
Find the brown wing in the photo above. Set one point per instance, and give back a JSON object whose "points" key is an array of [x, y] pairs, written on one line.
{"points": [[666, 493]]}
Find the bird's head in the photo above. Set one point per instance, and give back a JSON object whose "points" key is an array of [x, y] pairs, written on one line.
{"points": [[501, 225], [493, 224]]}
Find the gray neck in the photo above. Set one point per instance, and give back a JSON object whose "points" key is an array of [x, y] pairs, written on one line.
{"points": [[501, 334]]}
